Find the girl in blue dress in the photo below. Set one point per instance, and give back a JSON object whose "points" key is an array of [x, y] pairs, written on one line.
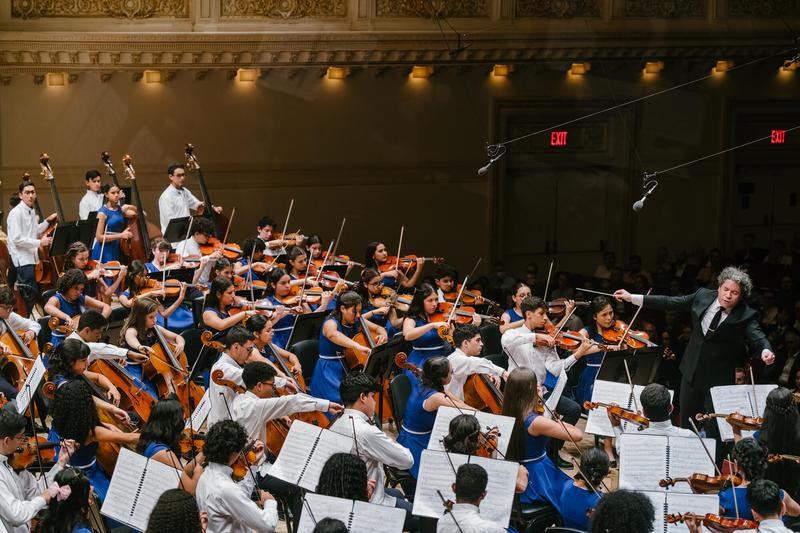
{"points": [[265, 351], [602, 313], [335, 337], [160, 441], [421, 332], [514, 318], [377, 256], [111, 225], [140, 284], [176, 312], [219, 299], [68, 510], [531, 436], [78, 257], [580, 497], [69, 302], [258, 268], [377, 308], [75, 417], [421, 407], [279, 290]]}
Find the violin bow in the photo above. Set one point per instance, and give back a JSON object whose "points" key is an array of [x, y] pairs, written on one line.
{"points": [[250, 276], [755, 397], [633, 390], [733, 487], [480, 433], [286, 224], [228, 229], [547, 285], [339, 236], [328, 253], [471, 272], [630, 324], [302, 295], [103, 244], [458, 299], [697, 433], [399, 246], [447, 508]]}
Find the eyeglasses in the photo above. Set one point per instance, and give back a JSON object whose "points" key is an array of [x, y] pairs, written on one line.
{"points": [[377, 284], [182, 174]]}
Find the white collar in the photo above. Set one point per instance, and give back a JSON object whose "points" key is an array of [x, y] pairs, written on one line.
{"points": [[355, 413]]}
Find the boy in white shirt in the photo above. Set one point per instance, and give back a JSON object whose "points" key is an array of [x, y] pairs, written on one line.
{"points": [[93, 199], [470, 490], [466, 360]]}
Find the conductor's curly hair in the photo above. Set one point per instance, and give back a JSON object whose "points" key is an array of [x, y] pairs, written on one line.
{"points": [[225, 438], [176, 512], [751, 456], [623, 511]]}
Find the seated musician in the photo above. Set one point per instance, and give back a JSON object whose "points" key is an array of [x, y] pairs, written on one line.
{"points": [[335, 337], [69, 302], [377, 256], [422, 405], [258, 405], [344, 475], [378, 308], [279, 292], [580, 497], [513, 318], [91, 327], [216, 317], [75, 417], [68, 512], [160, 441], [297, 260], [199, 233], [9, 319], [623, 511], [358, 392], [750, 458], [265, 351], [226, 502], [78, 257], [530, 438], [421, 332], [20, 501], [173, 311], [470, 490], [265, 232], [111, 225], [251, 263], [315, 247], [221, 267], [445, 279], [466, 360], [602, 317], [139, 335], [176, 510]]}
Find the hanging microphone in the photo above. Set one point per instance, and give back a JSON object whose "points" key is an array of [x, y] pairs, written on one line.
{"points": [[484, 169], [496, 151], [639, 204]]}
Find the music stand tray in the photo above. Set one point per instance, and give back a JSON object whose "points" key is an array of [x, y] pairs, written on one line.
{"points": [[643, 366], [185, 275], [306, 327], [177, 229], [69, 232]]}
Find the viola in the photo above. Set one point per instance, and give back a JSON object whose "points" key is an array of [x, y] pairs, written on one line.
{"points": [[464, 314], [635, 418], [777, 457], [702, 483], [633, 339], [33, 448], [736, 420], [231, 251], [407, 263], [171, 287], [242, 284], [714, 522], [489, 444], [559, 305]]}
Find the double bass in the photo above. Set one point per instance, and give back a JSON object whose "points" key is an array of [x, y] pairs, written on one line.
{"points": [[138, 247], [221, 222]]}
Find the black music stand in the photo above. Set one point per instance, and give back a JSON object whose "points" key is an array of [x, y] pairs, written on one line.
{"points": [[72, 231], [177, 229], [643, 365], [341, 270], [380, 364], [185, 275], [307, 326], [86, 231]]}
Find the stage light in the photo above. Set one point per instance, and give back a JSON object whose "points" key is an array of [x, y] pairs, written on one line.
{"points": [[501, 71], [338, 73], [152, 76], [653, 67], [248, 74], [579, 69], [56, 79], [421, 71]]}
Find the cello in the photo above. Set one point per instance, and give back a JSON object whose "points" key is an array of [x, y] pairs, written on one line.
{"points": [[45, 272], [21, 359], [172, 368], [138, 247], [219, 220]]}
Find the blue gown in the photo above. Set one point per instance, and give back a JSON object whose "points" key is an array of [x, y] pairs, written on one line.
{"points": [[244, 261], [282, 329], [70, 309], [379, 320], [415, 432], [583, 392], [85, 459], [514, 316], [575, 503], [728, 508], [426, 347], [221, 314], [153, 448], [115, 223], [545, 480], [181, 318], [329, 370]]}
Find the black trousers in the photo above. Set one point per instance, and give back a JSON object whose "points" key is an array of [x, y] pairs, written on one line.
{"points": [[696, 400]]}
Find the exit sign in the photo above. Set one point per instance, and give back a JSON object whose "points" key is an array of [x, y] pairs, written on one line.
{"points": [[558, 138], [778, 136]]}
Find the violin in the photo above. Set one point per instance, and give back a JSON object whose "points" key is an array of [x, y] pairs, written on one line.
{"points": [[230, 251], [714, 522], [635, 418], [736, 420], [297, 296], [338, 260], [570, 340], [401, 360], [463, 314], [243, 462], [190, 442], [468, 297], [778, 457], [27, 454], [489, 444], [241, 307], [406, 263], [702, 483], [109, 270], [559, 305], [171, 287], [633, 339], [331, 279]]}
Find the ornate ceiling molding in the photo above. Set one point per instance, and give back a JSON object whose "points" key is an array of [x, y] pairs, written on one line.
{"points": [[661, 9], [557, 9], [432, 8], [127, 9], [285, 9]]}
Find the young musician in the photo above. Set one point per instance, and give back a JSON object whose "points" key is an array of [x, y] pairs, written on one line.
{"points": [[780, 433], [221, 296], [330, 525], [425, 400], [265, 230], [768, 509], [602, 313], [93, 199], [623, 511], [11, 320], [265, 351], [176, 512], [298, 264], [580, 497], [17, 504], [75, 417], [315, 247], [466, 360], [279, 290], [252, 248], [69, 302], [358, 391], [180, 314], [23, 242], [68, 511], [78, 257], [377, 255], [445, 279], [227, 502], [335, 337], [111, 225], [721, 322], [177, 201], [200, 231], [377, 308], [160, 441], [91, 327], [69, 361], [470, 490], [420, 331], [530, 438], [513, 317], [344, 475]]}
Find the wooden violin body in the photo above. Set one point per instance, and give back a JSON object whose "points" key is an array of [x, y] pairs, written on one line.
{"points": [[702, 483], [736, 420], [635, 418], [482, 394], [714, 522]]}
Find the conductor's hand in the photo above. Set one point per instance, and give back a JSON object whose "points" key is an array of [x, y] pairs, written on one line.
{"points": [[768, 357], [621, 295]]}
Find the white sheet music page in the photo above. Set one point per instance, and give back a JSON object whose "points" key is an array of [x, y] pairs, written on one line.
{"points": [[688, 457], [445, 414], [436, 473], [135, 487], [612, 392], [739, 398], [30, 385], [304, 453], [356, 515], [675, 503], [642, 461], [200, 414]]}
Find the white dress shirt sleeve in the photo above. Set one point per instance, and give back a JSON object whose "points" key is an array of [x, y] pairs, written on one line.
{"points": [[271, 408], [13, 511], [513, 338], [19, 233], [236, 502], [375, 444], [637, 299], [192, 202], [19, 323]]}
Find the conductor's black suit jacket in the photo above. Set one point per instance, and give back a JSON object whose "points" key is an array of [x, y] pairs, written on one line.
{"points": [[711, 360]]}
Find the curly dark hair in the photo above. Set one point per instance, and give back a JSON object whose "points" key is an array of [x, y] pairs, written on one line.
{"points": [[71, 278], [330, 525], [65, 515], [175, 512], [224, 438], [623, 511], [462, 436], [781, 434], [65, 355], [344, 476], [73, 411], [164, 425], [751, 458], [434, 373]]}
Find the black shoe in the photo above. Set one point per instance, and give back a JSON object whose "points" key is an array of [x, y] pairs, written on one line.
{"points": [[564, 465]]}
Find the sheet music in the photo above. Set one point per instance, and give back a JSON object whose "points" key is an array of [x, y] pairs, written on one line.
{"points": [[435, 473], [612, 392], [675, 503], [730, 398], [647, 459], [445, 414], [555, 396], [30, 385], [135, 487], [304, 453], [200, 413], [357, 516]]}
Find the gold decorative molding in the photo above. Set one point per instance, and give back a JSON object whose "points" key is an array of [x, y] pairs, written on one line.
{"points": [[284, 9], [661, 9], [125, 9], [762, 9], [557, 9], [432, 8]]}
